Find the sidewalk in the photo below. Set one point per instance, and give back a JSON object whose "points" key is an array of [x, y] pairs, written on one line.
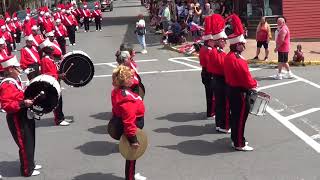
{"points": [[311, 52]]}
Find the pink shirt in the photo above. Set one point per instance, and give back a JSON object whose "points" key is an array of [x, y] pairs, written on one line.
{"points": [[284, 32]]}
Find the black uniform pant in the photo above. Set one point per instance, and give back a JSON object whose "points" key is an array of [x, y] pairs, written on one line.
{"points": [[222, 109], [240, 106], [131, 164], [14, 41], [86, 23], [98, 23], [18, 36], [62, 43], [58, 113], [23, 132], [72, 35], [9, 47], [207, 82]]}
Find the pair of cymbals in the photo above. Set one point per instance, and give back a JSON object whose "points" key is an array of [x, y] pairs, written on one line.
{"points": [[130, 153]]}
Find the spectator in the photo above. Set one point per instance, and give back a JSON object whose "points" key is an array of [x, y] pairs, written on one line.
{"points": [[141, 31], [298, 56], [190, 13], [197, 14], [165, 16], [180, 10], [222, 8], [215, 6], [207, 11], [283, 47], [263, 36]]}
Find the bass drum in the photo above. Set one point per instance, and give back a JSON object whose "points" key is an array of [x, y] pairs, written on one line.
{"points": [[78, 67], [48, 101]]}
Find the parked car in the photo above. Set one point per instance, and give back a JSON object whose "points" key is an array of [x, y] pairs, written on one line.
{"points": [[106, 5]]}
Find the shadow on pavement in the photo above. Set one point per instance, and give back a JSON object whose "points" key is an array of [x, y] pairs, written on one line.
{"points": [[47, 122], [202, 148], [10, 168], [183, 117], [97, 176], [264, 78], [99, 129], [99, 148], [102, 115], [189, 130]]}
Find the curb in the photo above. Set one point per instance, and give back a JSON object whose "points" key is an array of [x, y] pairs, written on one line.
{"points": [[250, 61]]}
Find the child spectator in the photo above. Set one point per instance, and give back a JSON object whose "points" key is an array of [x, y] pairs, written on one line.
{"points": [[298, 56]]}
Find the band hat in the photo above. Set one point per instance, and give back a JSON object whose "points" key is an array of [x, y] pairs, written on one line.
{"points": [[10, 61], [130, 153], [2, 41], [218, 26], [47, 14], [8, 19], [29, 38], [15, 18], [3, 27], [42, 12], [50, 34], [27, 18], [238, 31], [207, 28], [34, 27], [125, 54], [45, 43]]}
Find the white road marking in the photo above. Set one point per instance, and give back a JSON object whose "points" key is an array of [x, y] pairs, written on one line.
{"points": [[113, 64], [293, 116], [295, 130], [307, 81], [278, 84], [316, 136], [183, 63]]}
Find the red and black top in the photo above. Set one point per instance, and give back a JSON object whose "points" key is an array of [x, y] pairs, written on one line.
{"points": [[237, 73], [11, 95], [128, 107]]}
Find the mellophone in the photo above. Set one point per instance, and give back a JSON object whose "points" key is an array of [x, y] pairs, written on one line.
{"points": [[258, 102], [45, 90]]}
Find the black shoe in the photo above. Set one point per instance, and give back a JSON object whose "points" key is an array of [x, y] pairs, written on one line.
{"points": [[256, 58]]}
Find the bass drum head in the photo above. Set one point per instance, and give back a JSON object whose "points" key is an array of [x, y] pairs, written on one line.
{"points": [[78, 67], [45, 103]]}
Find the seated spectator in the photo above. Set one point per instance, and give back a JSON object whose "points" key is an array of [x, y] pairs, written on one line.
{"points": [[177, 35], [298, 56]]}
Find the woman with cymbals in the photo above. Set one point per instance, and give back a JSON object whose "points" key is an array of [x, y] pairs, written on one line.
{"points": [[128, 116]]}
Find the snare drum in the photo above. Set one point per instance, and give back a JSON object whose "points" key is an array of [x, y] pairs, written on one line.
{"points": [[78, 68], [258, 103], [47, 102]]}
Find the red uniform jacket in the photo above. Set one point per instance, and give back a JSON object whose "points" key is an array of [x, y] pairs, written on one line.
{"points": [[7, 37], [48, 25], [18, 26], [38, 39], [58, 15], [40, 20], [85, 13], [127, 106], [97, 13], [204, 56], [49, 67], [216, 64], [11, 27], [60, 31], [27, 25], [134, 67], [3, 54], [29, 56], [237, 73], [70, 20], [11, 95], [57, 50]]}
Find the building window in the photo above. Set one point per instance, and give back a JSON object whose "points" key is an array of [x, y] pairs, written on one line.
{"points": [[258, 8]]}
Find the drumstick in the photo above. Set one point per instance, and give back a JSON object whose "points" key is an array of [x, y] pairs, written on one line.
{"points": [[69, 68], [40, 94]]}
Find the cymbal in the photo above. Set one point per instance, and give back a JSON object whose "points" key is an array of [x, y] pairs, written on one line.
{"points": [[128, 152]]}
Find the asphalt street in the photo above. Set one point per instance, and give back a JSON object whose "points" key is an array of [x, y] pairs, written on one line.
{"points": [[183, 144]]}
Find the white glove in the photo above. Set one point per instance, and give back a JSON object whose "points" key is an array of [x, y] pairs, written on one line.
{"points": [[14, 35], [28, 70], [77, 28]]}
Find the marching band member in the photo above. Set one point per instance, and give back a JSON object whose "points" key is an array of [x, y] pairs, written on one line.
{"points": [[3, 55], [20, 125], [18, 27], [11, 30], [61, 33], [37, 38], [6, 35], [86, 14], [27, 25], [49, 67], [204, 57], [240, 82], [222, 110], [97, 15], [41, 20], [57, 52], [128, 108], [30, 59], [48, 23], [71, 25]]}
